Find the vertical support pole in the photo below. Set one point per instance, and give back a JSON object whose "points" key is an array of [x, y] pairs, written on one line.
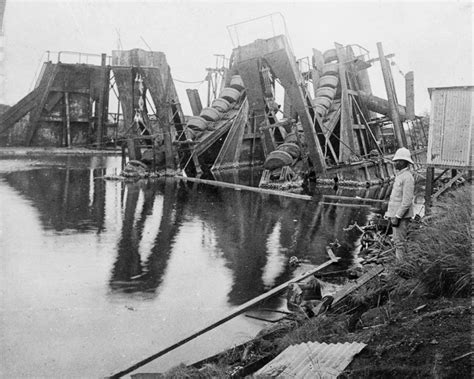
{"points": [[410, 95], [347, 134], [124, 156], [209, 80], [68, 120], [429, 187], [194, 101], [102, 107], [169, 156], [395, 117]]}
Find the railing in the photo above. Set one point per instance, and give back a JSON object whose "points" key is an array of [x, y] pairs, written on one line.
{"points": [[78, 57], [261, 27]]}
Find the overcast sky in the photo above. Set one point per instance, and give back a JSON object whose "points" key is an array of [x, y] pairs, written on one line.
{"points": [[433, 39]]}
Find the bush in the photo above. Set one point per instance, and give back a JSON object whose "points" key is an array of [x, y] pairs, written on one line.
{"points": [[439, 253]]}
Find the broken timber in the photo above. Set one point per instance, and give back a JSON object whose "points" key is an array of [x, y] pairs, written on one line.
{"points": [[239, 310], [242, 187], [357, 283]]}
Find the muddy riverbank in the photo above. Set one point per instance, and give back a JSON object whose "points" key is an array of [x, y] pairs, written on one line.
{"points": [[415, 318]]}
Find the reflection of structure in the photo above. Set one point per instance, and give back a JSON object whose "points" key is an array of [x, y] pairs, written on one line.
{"points": [[242, 224], [305, 229], [131, 273], [66, 199]]}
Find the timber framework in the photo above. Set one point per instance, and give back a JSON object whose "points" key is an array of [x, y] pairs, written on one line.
{"points": [[292, 119]]}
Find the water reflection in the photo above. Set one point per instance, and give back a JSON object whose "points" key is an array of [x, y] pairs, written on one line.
{"points": [[66, 198], [254, 233], [136, 270]]}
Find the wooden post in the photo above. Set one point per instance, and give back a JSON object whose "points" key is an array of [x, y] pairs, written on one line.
{"points": [[347, 135], [102, 107], [410, 95], [124, 156], [429, 187], [68, 120], [194, 101], [395, 117]]}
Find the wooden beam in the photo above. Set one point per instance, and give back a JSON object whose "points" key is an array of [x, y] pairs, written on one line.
{"points": [[410, 95], [68, 120], [239, 310], [44, 89], [346, 148], [447, 185], [373, 60], [346, 290], [194, 101], [13, 114], [246, 188], [391, 96]]}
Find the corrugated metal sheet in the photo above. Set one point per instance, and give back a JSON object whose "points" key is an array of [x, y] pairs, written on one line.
{"points": [[451, 122], [312, 360]]}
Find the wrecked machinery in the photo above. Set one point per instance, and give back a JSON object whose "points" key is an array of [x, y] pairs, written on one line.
{"points": [[314, 117]]}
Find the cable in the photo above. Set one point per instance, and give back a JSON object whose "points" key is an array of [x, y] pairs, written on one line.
{"points": [[186, 82]]}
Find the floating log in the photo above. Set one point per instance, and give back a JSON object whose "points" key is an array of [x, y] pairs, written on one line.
{"points": [[239, 310], [247, 188], [357, 199]]}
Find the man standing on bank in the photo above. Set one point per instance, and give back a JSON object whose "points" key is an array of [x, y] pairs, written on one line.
{"points": [[400, 205]]}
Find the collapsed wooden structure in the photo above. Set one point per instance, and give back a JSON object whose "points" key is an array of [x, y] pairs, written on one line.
{"points": [[296, 118]]}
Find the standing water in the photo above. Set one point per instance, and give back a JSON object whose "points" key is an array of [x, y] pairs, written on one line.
{"points": [[97, 275]]}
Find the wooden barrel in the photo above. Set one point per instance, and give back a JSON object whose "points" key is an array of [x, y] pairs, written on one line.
{"points": [[320, 110], [277, 159], [197, 123], [210, 114], [291, 137], [328, 81], [330, 55], [230, 94], [237, 83], [190, 134], [326, 92], [324, 101], [221, 105], [291, 148], [331, 69]]}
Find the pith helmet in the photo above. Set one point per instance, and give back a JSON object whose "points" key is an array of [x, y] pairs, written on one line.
{"points": [[402, 154]]}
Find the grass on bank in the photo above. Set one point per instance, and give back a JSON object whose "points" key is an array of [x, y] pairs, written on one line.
{"points": [[438, 260]]}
